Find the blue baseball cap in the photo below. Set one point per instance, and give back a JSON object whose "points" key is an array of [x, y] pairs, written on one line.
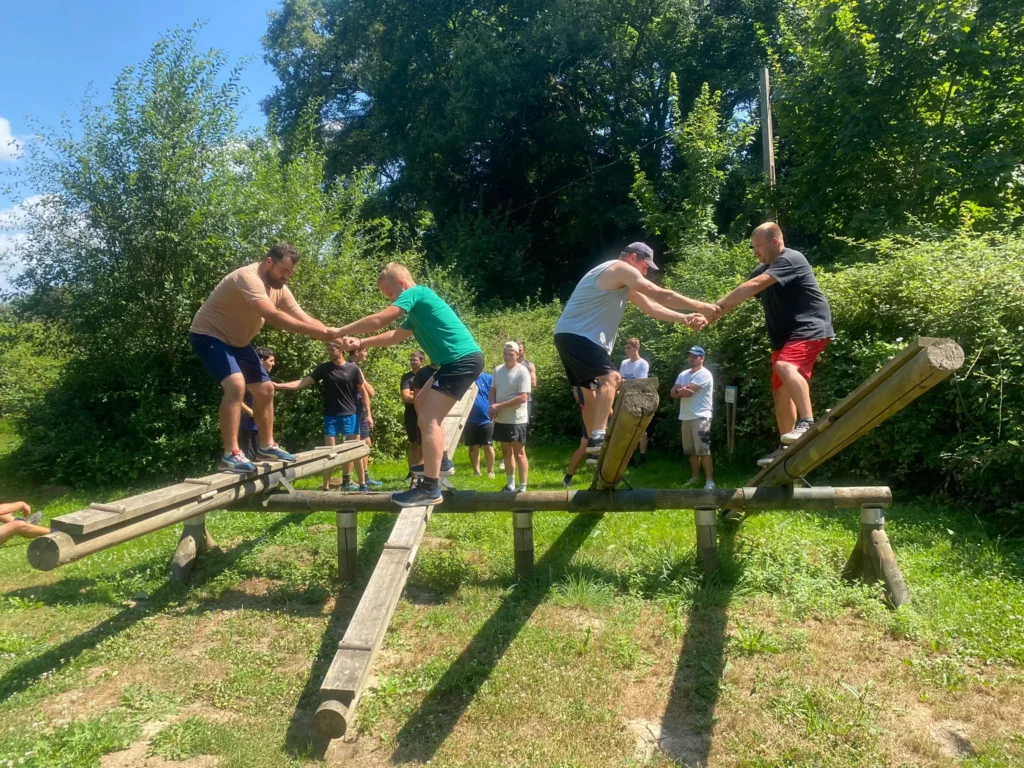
{"points": [[696, 351]]}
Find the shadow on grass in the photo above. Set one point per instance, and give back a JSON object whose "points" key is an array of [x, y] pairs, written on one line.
{"points": [[208, 567], [430, 725], [301, 739], [688, 722]]}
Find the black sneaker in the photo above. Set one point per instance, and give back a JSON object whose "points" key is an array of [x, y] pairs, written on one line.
{"points": [[447, 468], [418, 497], [802, 425], [567, 481], [594, 445]]}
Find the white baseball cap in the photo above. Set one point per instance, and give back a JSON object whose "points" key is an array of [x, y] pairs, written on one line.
{"points": [[513, 346]]}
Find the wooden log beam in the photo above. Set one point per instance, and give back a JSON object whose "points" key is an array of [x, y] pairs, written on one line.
{"points": [[641, 500], [902, 380], [635, 405], [60, 547], [346, 678]]}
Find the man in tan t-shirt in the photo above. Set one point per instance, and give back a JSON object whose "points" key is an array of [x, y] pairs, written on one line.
{"points": [[222, 332]]}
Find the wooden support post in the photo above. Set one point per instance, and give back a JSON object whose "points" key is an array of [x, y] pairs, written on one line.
{"points": [[707, 539], [348, 536], [872, 558], [195, 540], [635, 406], [522, 532]]}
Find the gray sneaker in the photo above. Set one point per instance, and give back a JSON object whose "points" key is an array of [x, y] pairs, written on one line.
{"points": [[35, 518], [802, 425], [709, 485], [764, 461]]}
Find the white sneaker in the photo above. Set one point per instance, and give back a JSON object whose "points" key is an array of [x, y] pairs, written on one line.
{"points": [[764, 461], [709, 485]]}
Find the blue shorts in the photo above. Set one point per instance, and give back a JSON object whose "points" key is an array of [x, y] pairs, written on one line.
{"points": [[222, 360], [343, 426]]}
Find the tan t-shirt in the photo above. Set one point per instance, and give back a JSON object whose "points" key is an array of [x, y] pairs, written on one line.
{"points": [[230, 313]]}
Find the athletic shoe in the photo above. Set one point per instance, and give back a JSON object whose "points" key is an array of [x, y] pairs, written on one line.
{"points": [[274, 453], [501, 464], [567, 481], [508, 488], [476, 473], [373, 483], [802, 425], [364, 488], [709, 485], [417, 497], [490, 475], [594, 445], [35, 518], [592, 461], [691, 483], [236, 462], [350, 487], [764, 461], [447, 469]]}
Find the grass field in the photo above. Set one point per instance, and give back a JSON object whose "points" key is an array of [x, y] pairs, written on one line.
{"points": [[617, 653]]}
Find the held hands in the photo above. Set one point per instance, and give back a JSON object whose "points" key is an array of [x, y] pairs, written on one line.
{"points": [[697, 322], [349, 343]]}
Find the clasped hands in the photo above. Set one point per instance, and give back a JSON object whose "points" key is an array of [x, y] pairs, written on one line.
{"points": [[348, 343]]}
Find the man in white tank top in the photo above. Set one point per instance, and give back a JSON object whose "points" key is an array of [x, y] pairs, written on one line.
{"points": [[585, 333]]}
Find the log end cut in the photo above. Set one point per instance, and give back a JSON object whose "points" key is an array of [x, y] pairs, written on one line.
{"points": [[45, 553], [330, 719], [945, 356], [640, 396]]}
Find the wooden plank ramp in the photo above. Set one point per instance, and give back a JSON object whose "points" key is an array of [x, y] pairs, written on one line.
{"points": [[636, 402], [345, 679], [90, 530]]}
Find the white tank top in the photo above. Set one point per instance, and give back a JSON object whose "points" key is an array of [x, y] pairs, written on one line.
{"points": [[592, 312]]}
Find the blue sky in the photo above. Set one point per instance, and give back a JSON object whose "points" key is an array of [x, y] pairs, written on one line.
{"points": [[51, 51]]}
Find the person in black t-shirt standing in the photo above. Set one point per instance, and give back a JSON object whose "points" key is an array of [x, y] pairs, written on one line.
{"points": [[413, 453], [799, 322], [342, 384]]}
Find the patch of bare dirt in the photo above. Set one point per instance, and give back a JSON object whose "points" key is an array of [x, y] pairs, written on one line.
{"points": [[952, 738], [676, 741], [136, 757]]}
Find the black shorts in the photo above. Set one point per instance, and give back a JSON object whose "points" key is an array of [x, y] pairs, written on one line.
{"points": [[412, 429], [364, 428], [584, 360], [510, 433], [249, 442], [455, 378], [479, 434]]}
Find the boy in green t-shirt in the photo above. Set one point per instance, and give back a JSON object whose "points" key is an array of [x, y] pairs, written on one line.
{"points": [[450, 347]]}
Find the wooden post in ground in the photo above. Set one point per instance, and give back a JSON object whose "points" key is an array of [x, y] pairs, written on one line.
{"points": [[522, 532], [348, 537], [872, 558], [707, 539], [195, 540]]}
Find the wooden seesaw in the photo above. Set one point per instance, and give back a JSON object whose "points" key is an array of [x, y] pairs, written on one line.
{"points": [[904, 378]]}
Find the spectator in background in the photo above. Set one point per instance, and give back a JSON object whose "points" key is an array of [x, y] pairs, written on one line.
{"points": [[508, 410], [342, 384], [249, 434], [581, 453], [533, 381], [694, 389], [26, 527], [408, 390], [366, 394], [635, 367], [479, 427]]}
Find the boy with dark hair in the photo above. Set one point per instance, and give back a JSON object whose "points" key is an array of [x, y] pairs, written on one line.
{"points": [[356, 357], [448, 343], [479, 427], [342, 384], [407, 389]]}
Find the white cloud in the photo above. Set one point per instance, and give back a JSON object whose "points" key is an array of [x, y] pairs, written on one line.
{"points": [[10, 148], [18, 214]]}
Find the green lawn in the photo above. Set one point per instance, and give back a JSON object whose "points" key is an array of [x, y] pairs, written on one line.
{"points": [[616, 653]]}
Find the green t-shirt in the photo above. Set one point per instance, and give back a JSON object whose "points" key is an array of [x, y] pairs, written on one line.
{"points": [[436, 327]]}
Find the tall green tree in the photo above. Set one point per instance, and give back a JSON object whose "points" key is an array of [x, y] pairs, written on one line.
{"points": [[892, 112], [511, 123]]}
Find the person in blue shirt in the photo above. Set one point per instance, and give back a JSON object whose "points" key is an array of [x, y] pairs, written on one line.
{"points": [[479, 427], [248, 432]]}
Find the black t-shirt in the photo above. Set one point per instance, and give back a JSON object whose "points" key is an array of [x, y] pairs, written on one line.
{"points": [[407, 383], [423, 376], [341, 387], [795, 309]]}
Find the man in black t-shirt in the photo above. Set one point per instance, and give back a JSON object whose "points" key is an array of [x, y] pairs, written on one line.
{"points": [[799, 322], [342, 384]]}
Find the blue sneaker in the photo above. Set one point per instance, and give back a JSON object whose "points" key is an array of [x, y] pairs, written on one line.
{"points": [[417, 497], [364, 488], [373, 483], [274, 453], [236, 462]]}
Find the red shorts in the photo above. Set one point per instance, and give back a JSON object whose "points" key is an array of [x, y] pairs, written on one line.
{"points": [[802, 354]]}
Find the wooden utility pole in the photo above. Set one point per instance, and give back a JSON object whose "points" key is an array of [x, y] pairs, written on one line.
{"points": [[767, 137]]}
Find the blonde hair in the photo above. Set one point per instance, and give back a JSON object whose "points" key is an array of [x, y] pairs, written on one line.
{"points": [[395, 272]]}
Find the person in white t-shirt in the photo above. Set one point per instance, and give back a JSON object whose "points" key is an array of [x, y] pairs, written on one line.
{"points": [[635, 367], [509, 393], [694, 389]]}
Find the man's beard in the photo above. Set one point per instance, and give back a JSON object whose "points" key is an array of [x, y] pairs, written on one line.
{"points": [[275, 282]]}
